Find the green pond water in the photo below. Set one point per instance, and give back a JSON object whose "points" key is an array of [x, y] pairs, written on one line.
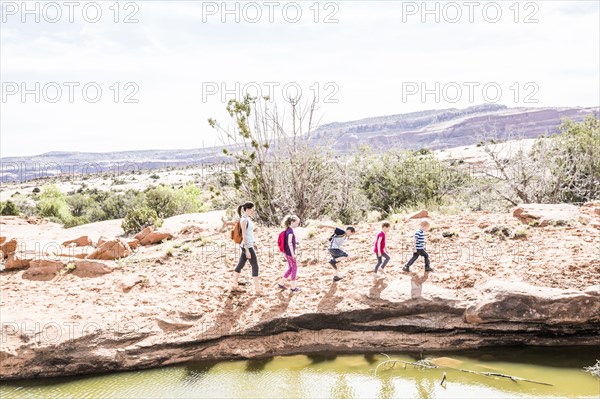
{"points": [[342, 376]]}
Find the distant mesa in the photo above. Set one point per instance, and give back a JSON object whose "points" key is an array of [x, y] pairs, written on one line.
{"points": [[433, 129]]}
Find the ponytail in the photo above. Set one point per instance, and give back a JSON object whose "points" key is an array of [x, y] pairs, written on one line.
{"points": [[245, 206], [289, 219]]}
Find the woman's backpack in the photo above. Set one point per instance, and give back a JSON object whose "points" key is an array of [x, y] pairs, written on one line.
{"points": [[236, 233]]}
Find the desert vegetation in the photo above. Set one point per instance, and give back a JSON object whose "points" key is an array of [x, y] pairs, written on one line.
{"points": [[272, 162]]}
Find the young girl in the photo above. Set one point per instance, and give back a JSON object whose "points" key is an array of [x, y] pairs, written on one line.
{"points": [[380, 248], [290, 222], [246, 212]]}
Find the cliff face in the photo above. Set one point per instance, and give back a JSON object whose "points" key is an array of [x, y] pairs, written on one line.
{"points": [[150, 309]]}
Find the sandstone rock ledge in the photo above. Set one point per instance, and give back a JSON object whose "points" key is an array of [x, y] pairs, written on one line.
{"points": [[404, 317]]}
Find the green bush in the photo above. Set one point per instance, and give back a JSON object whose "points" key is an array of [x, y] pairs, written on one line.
{"points": [[403, 179], [162, 200], [188, 200], [9, 208], [139, 218], [53, 203]]}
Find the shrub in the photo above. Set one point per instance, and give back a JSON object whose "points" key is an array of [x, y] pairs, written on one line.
{"points": [[187, 199], [9, 208], [162, 200], [402, 179], [140, 218], [53, 203]]}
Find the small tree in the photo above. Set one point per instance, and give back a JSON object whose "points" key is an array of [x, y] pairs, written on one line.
{"points": [[276, 167]]}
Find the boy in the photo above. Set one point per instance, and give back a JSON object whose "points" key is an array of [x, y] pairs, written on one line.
{"points": [[420, 248], [380, 248], [335, 247]]}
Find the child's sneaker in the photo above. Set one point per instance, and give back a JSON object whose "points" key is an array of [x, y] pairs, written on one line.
{"points": [[337, 278], [429, 269], [405, 269], [332, 262]]}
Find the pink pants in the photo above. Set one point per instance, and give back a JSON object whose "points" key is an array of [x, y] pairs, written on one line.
{"points": [[292, 267]]}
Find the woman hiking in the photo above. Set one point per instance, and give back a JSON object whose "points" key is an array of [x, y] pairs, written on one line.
{"points": [[246, 212]]}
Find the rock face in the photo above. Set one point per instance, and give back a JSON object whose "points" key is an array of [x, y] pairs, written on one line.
{"points": [[79, 242], [434, 321], [546, 214], [148, 236], [522, 303], [111, 250]]}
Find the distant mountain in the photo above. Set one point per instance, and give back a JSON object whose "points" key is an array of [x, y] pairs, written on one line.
{"points": [[434, 129], [447, 128]]}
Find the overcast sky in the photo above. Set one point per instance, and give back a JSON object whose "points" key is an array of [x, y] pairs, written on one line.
{"points": [[362, 59]]}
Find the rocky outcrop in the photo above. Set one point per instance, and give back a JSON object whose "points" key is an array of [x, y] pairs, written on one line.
{"points": [[2, 240], [148, 236], [545, 214], [437, 321], [111, 250], [522, 303], [78, 242]]}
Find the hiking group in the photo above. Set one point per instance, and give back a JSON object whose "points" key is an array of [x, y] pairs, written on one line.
{"points": [[243, 234]]}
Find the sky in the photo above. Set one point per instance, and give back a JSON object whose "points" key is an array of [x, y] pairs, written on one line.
{"points": [[112, 76]]}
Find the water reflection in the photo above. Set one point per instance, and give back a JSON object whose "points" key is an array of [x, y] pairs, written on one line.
{"points": [[257, 365], [339, 376]]}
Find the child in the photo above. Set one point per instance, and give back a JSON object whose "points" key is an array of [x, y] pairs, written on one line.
{"points": [[335, 247], [290, 222], [380, 248], [420, 248]]}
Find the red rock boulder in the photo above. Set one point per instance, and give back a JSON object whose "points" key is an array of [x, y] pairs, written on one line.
{"points": [[148, 236], [545, 214], [91, 268], [43, 269], [79, 242], [418, 215], [8, 247], [111, 250], [17, 260]]}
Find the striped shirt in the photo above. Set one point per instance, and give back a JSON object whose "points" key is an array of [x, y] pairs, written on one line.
{"points": [[420, 239]]}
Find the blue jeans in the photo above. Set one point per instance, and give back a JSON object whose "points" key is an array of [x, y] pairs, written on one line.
{"points": [[420, 252]]}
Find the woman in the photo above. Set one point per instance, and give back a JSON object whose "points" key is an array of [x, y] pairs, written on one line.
{"points": [[246, 212]]}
